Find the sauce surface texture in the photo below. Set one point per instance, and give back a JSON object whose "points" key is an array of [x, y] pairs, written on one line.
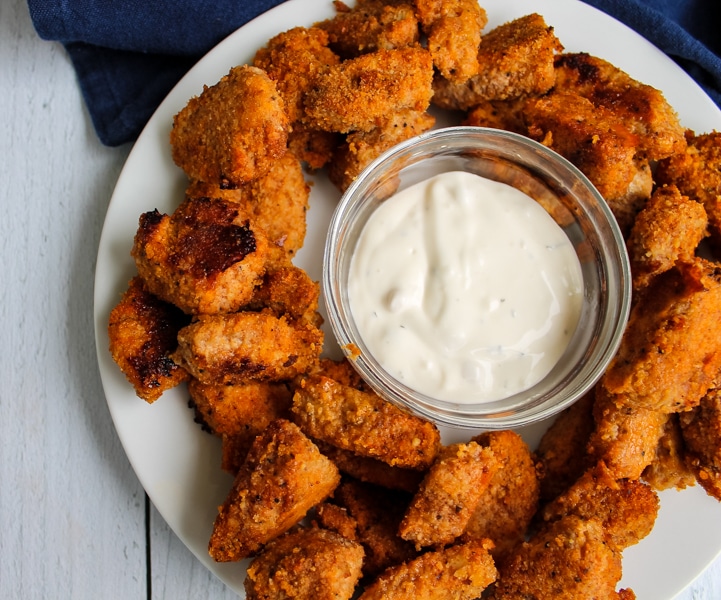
{"points": [[464, 288]]}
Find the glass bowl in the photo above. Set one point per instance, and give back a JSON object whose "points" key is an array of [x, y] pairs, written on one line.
{"points": [[565, 193]]}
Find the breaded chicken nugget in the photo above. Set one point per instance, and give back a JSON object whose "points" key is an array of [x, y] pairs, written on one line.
{"points": [[453, 29], [233, 131], [514, 60], [641, 108], [449, 494], [697, 173], [670, 355], [701, 429], [288, 291], [669, 228], [669, 468], [364, 423], [569, 558], [371, 25], [360, 93], [626, 508], [562, 449], [282, 478], [510, 499], [303, 564], [143, 331], [206, 258], [460, 572], [244, 346], [363, 147]]}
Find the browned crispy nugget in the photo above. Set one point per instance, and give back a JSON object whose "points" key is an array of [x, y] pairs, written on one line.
{"points": [[363, 147], [246, 346], [288, 291], [641, 108], [206, 258], [569, 558], [510, 499], [669, 228], [233, 131], [453, 29], [515, 60], [360, 93], [371, 25], [143, 330], [449, 494], [626, 508], [303, 564], [460, 572], [669, 354], [669, 468], [701, 430], [625, 436], [562, 449], [697, 173], [282, 478], [364, 423]]}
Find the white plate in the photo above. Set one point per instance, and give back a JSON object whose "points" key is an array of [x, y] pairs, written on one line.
{"points": [[178, 464]]}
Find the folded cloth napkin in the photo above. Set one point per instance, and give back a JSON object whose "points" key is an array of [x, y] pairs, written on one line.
{"points": [[129, 54]]}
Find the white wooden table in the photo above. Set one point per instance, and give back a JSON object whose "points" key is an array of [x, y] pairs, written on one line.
{"points": [[74, 521]]}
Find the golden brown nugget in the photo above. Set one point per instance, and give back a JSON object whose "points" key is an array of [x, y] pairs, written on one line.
{"points": [[449, 494], [307, 563], [669, 228], [287, 291], [360, 93], [510, 499], [460, 572], [697, 173], [453, 29], [282, 478], [235, 348], [206, 258], [371, 25], [670, 468], [377, 513], [562, 449], [701, 429], [361, 148], [625, 437], [233, 131], [670, 355], [641, 108], [364, 423], [626, 508], [515, 60], [143, 331], [569, 558]]}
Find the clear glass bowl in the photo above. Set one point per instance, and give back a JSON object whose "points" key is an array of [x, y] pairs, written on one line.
{"points": [[567, 196]]}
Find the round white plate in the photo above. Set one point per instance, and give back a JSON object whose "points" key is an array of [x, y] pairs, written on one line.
{"points": [[179, 465]]}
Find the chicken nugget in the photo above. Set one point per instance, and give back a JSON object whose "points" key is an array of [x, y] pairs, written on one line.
{"points": [[510, 499], [626, 508], [514, 60], [669, 354], [669, 228], [569, 558], [701, 430], [206, 258], [233, 131], [307, 563], [360, 93], [670, 468], [143, 331], [449, 494], [371, 25], [282, 478], [288, 291], [244, 346], [460, 572]]}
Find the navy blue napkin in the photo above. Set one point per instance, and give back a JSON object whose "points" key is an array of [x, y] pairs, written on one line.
{"points": [[129, 54]]}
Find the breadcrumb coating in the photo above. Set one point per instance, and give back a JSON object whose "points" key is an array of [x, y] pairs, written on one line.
{"points": [[701, 430], [670, 468]]}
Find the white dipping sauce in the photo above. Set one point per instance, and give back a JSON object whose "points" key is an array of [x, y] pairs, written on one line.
{"points": [[465, 289]]}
